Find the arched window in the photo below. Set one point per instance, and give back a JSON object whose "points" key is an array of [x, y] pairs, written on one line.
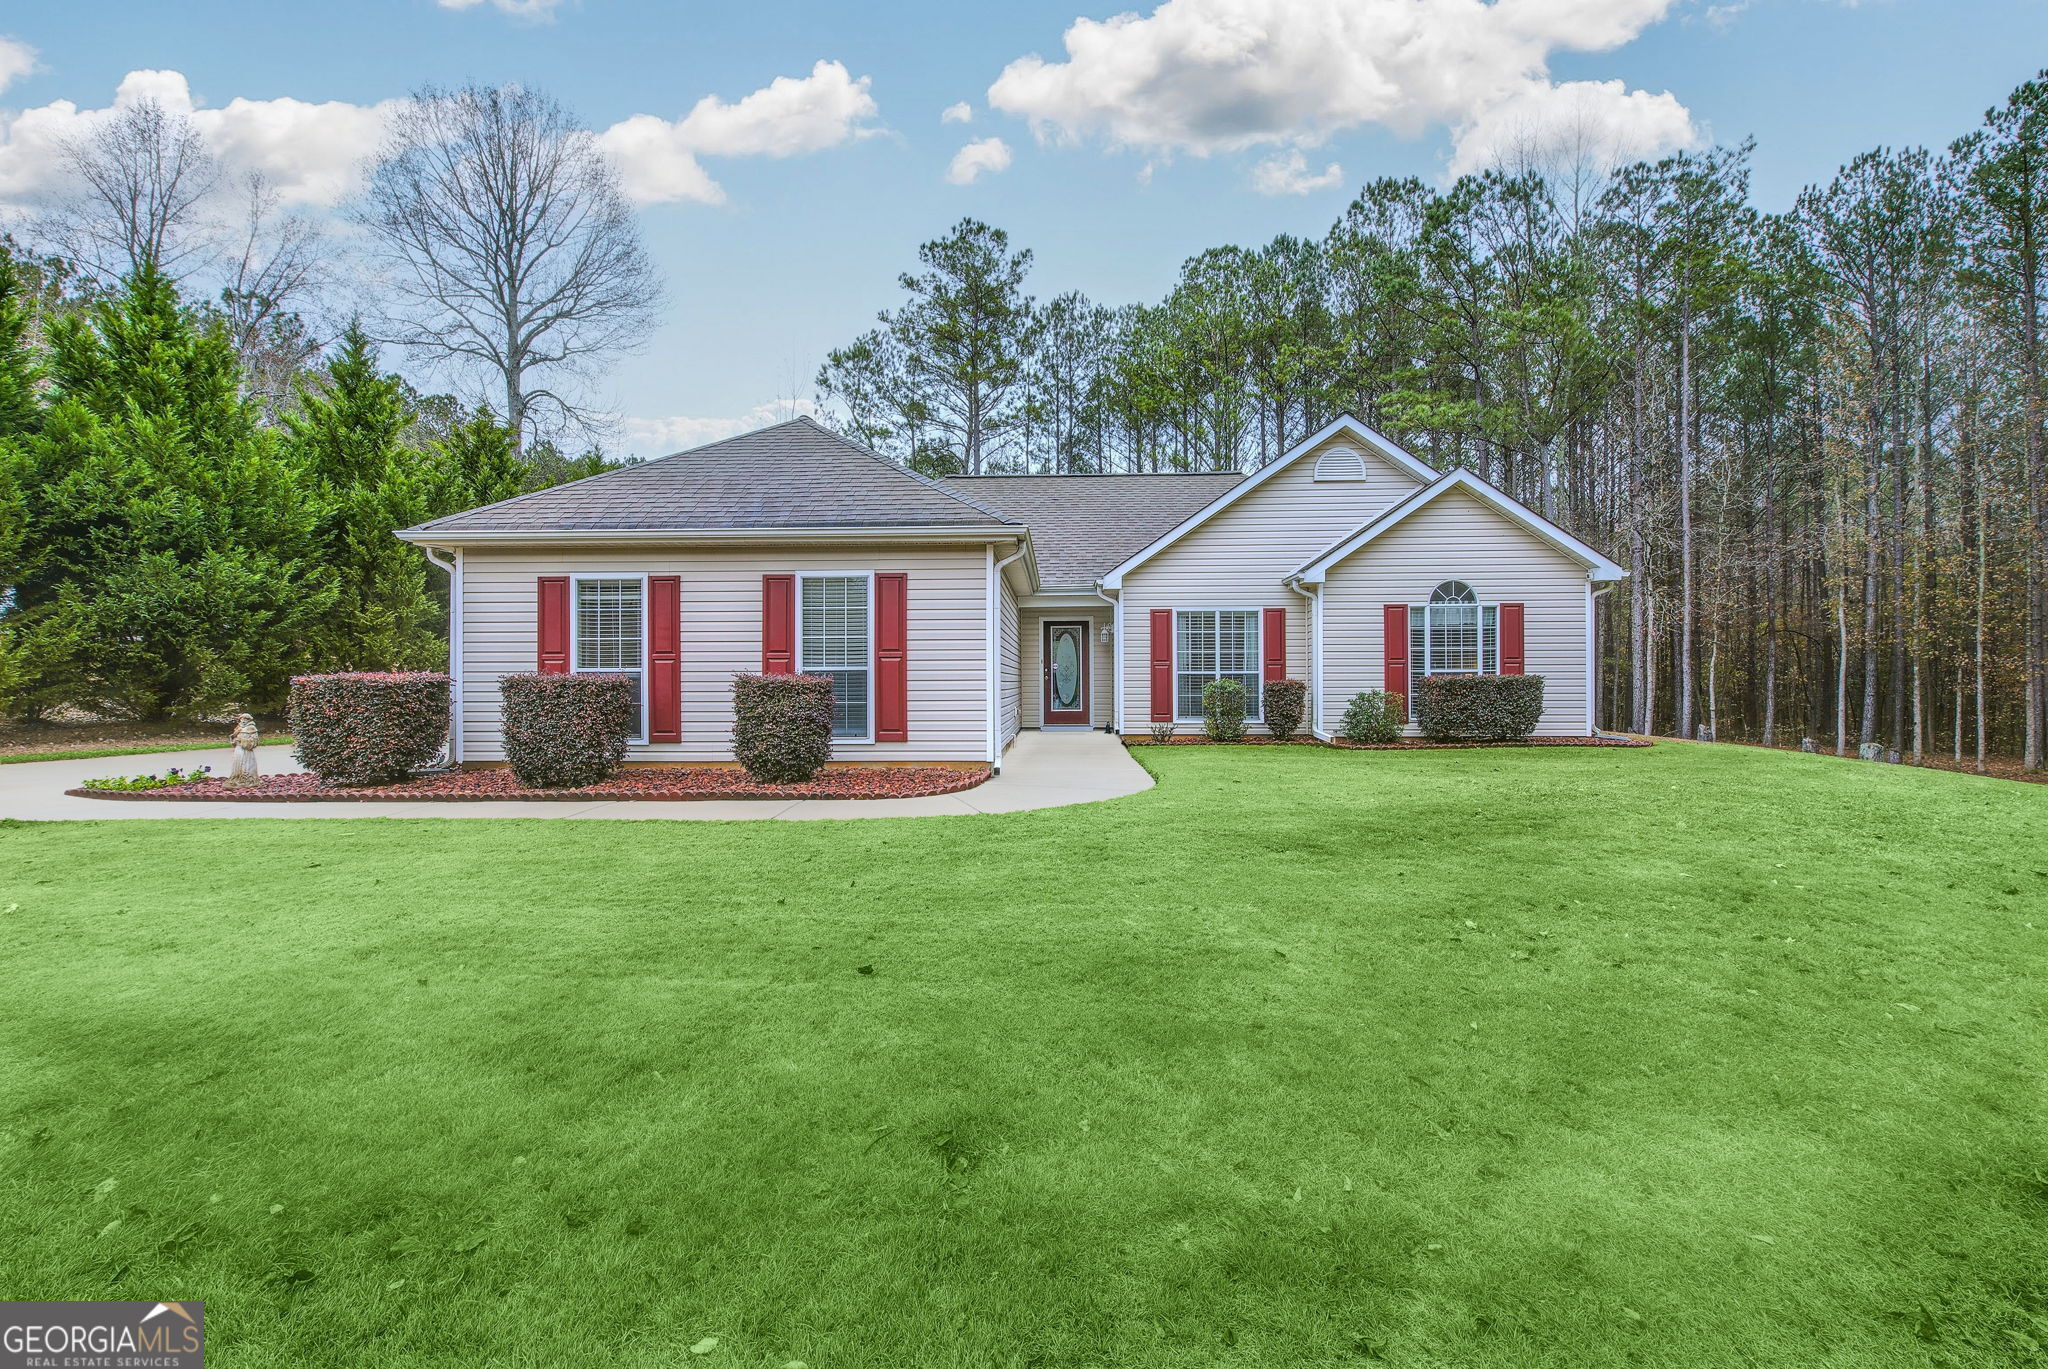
{"points": [[1341, 463], [1452, 634]]}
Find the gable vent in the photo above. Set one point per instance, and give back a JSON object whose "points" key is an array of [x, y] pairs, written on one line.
{"points": [[1341, 463]]}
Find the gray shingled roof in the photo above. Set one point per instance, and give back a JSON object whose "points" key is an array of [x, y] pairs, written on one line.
{"points": [[793, 475], [1085, 525]]}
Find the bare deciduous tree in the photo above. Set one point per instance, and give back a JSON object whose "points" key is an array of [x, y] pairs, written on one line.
{"points": [[279, 264], [509, 250], [142, 177]]}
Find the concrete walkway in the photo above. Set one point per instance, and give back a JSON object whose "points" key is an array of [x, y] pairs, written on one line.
{"points": [[1041, 770]]}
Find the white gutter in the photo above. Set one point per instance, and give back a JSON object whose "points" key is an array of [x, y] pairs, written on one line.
{"points": [[959, 532], [1116, 661], [454, 569], [1315, 657], [994, 652]]}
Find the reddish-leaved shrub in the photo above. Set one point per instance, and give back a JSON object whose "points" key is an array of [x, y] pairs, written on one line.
{"points": [[1478, 708], [1285, 703], [782, 726], [364, 728], [566, 730]]}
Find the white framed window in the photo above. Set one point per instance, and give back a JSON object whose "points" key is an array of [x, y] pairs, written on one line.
{"points": [[835, 638], [1215, 644], [1452, 634], [608, 633]]}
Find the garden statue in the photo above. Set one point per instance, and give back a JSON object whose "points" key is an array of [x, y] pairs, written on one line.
{"points": [[242, 769]]}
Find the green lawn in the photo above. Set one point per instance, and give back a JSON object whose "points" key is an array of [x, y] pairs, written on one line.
{"points": [[1692, 1056]]}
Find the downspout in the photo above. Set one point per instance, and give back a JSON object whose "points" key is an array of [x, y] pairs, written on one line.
{"points": [[994, 647], [1116, 659], [454, 569], [1593, 666], [1315, 656]]}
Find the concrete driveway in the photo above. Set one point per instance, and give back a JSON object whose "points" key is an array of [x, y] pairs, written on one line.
{"points": [[1041, 770]]}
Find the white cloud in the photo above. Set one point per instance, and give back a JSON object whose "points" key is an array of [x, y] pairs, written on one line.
{"points": [[960, 112], [518, 9], [1289, 175], [1218, 76], [651, 437], [991, 155], [310, 153], [315, 153], [17, 59], [657, 158], [1612, 124]]}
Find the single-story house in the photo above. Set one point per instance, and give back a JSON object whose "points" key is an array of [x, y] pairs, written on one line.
{"points": [[952, 613]]}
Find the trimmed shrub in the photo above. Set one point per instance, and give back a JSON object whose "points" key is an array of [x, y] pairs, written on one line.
{"points": [[363, 728], [1479, 708], [1374, 718], [1223, 706], [782, 726], [566, 730], [1286, 701]]}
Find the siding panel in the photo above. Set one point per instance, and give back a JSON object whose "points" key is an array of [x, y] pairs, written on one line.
{"points": [[1459, 538], [1240, 558], [721, 610]]}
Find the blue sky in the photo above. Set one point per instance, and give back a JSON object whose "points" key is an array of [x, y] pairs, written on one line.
{"points": [[1121, 162]]}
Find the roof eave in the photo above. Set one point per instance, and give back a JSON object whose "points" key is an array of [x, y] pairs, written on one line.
{"points": [[428, 536], [1598, 567], [1343, 423]]}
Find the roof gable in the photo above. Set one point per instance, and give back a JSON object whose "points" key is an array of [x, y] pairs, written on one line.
{"points": [[1598, 567], [794, 475], [1345, 425]]}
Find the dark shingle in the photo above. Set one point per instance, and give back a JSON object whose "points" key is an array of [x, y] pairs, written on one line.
{"points": [[793, 475], [1082, 526]]}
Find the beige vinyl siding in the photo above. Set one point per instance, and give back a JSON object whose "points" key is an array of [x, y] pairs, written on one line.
{"points": [[1456, 537], [1012, 711], [1101, 667], [1242, 555], [721, 611]]}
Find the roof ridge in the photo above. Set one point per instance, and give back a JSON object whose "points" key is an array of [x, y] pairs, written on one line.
{"points": [[925, 480]]}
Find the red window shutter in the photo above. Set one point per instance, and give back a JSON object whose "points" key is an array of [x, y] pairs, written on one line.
{"points": [[1273, 642], [1395, 653], [664, 658], [1162, 665], [778, 625], [554, 625], [892, 672], [1510, 639]]}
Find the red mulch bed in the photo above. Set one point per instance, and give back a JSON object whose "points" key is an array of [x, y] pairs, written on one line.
{"points": [[1405, 744], [654, 786]]}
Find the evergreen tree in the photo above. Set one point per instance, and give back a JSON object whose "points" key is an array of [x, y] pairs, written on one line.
{"points": [[476, 463], [167, 539], [348, 435]]}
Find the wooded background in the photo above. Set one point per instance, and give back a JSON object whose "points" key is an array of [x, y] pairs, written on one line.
{"points": [[1814, 437]]}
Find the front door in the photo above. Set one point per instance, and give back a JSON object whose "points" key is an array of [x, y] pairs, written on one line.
{"points": [[1066, 674]]}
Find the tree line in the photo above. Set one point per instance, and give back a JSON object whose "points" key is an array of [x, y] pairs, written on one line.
{"points": [[1814, 437], [202, 456]]}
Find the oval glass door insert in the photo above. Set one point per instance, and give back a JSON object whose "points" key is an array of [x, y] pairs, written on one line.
{"points": [[1066, 668]]}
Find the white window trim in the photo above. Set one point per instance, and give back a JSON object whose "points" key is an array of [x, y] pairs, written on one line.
{"points": [[1255, 711], [797, 631], [574, 617], [1420, 612]]}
